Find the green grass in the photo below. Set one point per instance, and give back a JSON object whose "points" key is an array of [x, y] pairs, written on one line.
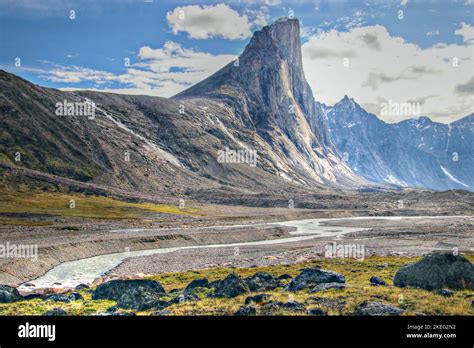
{"points": [[86, 206], [358, 289]]}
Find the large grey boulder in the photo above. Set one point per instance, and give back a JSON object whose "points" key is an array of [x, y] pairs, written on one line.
{"points": [[310, 277], [437, 271], [115, 289], [9, 294], [261, 281], [141, 299], [231, 286]]}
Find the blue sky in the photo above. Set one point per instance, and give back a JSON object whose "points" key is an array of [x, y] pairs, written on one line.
{"points": [[173, 44]]}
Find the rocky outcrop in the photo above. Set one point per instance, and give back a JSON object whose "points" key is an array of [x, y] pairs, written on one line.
{"points": [[140, 299], [246, 311], [115, 289], [261, 281], [231, 286], [9, 294], [310, 277], [437, 271], [328, 286], [376, 281]]}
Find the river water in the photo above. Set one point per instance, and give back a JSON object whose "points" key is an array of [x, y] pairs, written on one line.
{"points": [[72, 273]]}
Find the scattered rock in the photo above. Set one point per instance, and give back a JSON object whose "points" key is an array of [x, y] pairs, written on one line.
{"points": [[32, 296], [141, 299], [122, 314], [184, 298], [231, 286], [376, 281], [284, 277], [445, 292], [246, 311], [317, 312], [162, 312], [310, 277], [327, 302], [261, 298], [9, 294], [55, 312], [437, 271], [367, 308], [327, 286], [115, 289], [293, 306], [261, 281], [203, 283], [82, 287]]}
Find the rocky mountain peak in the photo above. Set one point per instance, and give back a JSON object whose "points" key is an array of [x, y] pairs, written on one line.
{"points": [[282, 37]]}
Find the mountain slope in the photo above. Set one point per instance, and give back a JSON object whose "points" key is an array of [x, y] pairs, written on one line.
{"points": [[416, 152], [267, 90]]}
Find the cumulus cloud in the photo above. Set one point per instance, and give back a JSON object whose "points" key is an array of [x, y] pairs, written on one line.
{"points": [[159, 71], [466, 31], [204, 22], [383, 67]]}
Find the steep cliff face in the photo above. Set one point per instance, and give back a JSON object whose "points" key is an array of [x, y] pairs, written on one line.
{"points": [[268, 93]]}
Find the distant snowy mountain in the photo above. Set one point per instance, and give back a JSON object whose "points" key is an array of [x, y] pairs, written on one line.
{"points": [[416, 152]]}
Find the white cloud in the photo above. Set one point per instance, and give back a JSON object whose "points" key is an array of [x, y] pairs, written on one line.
{"points": [[433, 33], [403, 2], [161, 72], [466, 31], [209, 21], [384, 67]]}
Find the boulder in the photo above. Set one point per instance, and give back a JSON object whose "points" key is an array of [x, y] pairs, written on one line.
{"points": [[197, 283], [328, 286], [284, 277], [261, 281], [186, 297], [445, 292], [82, 287], [310, 277], [261, 298], [141, 299], [115, 289], [246, 311], [437, 271], [367, 308], [231, 286], [293, 306], [316, 312], [9, 294], [376, 281]]}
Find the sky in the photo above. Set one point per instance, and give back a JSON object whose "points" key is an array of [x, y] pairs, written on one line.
{"points": [[377, 52]]}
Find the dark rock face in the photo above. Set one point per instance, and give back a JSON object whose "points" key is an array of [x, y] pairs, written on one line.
{"points": [[437, 271], [82, 287], [231, 286], [261, 298], [376, 309], [328, 286], [261, 281], [55, 312], [293, 306], [9, 294], [311, 277], [246, 311], [115, 289], [141, 299], [376, 281]]}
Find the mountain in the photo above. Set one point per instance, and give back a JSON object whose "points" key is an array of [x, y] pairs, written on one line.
{"points": [[415, 152], [262, 107], [267, 91]]}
